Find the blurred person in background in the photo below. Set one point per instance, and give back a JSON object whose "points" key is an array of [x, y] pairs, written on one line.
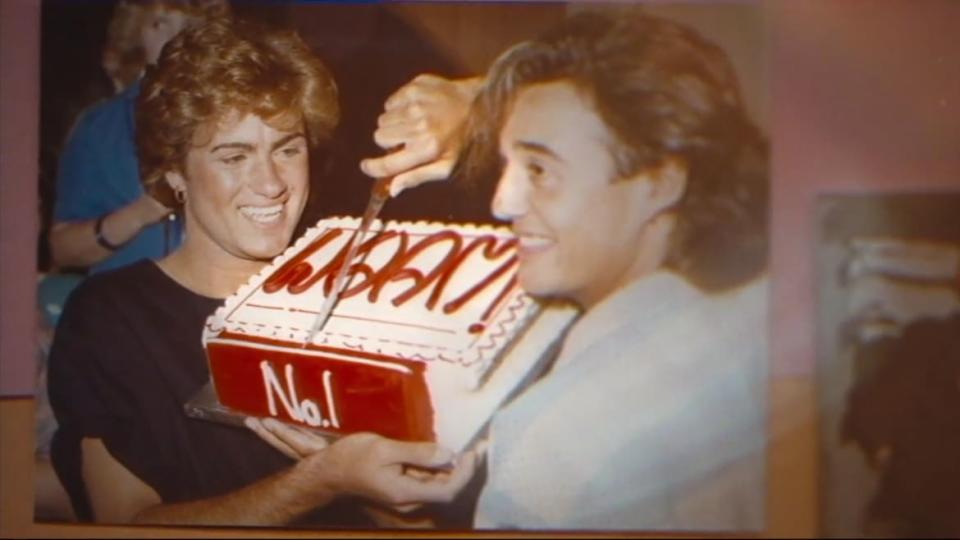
{"points": [[102, 218], [123, 57]]}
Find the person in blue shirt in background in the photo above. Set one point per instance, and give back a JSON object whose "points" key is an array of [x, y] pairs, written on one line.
{"points": [[102, 218]]}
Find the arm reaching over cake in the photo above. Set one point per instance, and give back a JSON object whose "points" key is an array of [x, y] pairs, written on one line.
{"points": [[364, 465], [294, 442], [423, 463], [438, 470], [425, 120]]}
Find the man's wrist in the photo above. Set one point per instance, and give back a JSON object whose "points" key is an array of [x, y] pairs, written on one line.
{"points": [[102, 240], [311, 476]]}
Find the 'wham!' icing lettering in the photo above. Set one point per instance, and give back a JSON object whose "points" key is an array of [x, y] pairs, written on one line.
{"points": [[298, 275], [417, 292]]}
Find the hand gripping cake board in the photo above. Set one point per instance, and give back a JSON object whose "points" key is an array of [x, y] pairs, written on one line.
{"points": [[430, 335]]}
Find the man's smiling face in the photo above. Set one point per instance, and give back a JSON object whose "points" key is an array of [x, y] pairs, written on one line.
{"points": [[579, 227], [246, 187]]}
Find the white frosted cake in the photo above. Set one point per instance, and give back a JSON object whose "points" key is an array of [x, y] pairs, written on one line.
{"points": [[430, 334]]}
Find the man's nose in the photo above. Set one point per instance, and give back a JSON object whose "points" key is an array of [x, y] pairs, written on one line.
{"points": [[510, 199], [267, 179]]}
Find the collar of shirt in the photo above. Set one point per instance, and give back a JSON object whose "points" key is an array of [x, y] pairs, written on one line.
{"points": [[644, 299]]}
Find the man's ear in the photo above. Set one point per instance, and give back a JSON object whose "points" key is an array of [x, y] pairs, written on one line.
{"points": [[666, 183]]}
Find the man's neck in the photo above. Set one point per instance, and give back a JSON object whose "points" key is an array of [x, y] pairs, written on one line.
{"points": [[650, 254], [213, 275]]}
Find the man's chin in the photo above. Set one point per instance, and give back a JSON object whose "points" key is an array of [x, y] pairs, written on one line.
{"points": [[545, 291], [536, 288], [266, 253]]}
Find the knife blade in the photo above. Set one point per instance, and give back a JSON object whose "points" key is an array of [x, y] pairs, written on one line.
{"points": [[378, 196]]}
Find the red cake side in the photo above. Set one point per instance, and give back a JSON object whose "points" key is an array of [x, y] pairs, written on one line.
{"points": [[327, 389], [322, 389]]}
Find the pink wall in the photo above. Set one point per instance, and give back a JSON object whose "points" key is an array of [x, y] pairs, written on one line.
{"points": [[19, 209], [866, 97]]}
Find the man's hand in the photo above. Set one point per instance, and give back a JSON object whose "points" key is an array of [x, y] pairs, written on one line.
{"points": [[392, 472], [402, 475], [424, 119], [294, 442]]}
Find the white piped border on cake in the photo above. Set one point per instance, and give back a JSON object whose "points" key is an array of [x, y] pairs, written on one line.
{"points": [[318, 354], [216, 322]]}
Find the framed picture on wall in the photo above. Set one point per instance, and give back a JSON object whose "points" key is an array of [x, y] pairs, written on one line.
{"points": [[888, 281]]}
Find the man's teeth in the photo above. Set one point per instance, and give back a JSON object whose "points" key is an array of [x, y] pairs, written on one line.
{"points": [[262, 214], [534, 242]]}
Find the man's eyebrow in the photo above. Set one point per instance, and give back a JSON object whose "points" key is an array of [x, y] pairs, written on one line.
{"points": [[248, 146], [285, 140], [537, 148], [233, 145]]}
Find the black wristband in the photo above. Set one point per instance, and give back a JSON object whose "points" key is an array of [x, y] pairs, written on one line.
{"points": [[98, 231]]}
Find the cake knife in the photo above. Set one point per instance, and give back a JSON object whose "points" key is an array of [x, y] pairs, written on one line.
{"points": [[378, 196]]}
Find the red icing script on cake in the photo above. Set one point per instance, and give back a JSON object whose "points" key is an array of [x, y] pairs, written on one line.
{"points": [[426, 311]]}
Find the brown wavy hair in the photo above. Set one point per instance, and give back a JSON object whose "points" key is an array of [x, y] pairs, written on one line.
{"points": [[664, 92], [221, 67]]}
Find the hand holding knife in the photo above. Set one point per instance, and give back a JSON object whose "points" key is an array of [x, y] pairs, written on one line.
{"points": [[378, 196]]}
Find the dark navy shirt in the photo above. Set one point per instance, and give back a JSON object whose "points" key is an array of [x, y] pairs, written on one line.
{"points": [[126, 356]]}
